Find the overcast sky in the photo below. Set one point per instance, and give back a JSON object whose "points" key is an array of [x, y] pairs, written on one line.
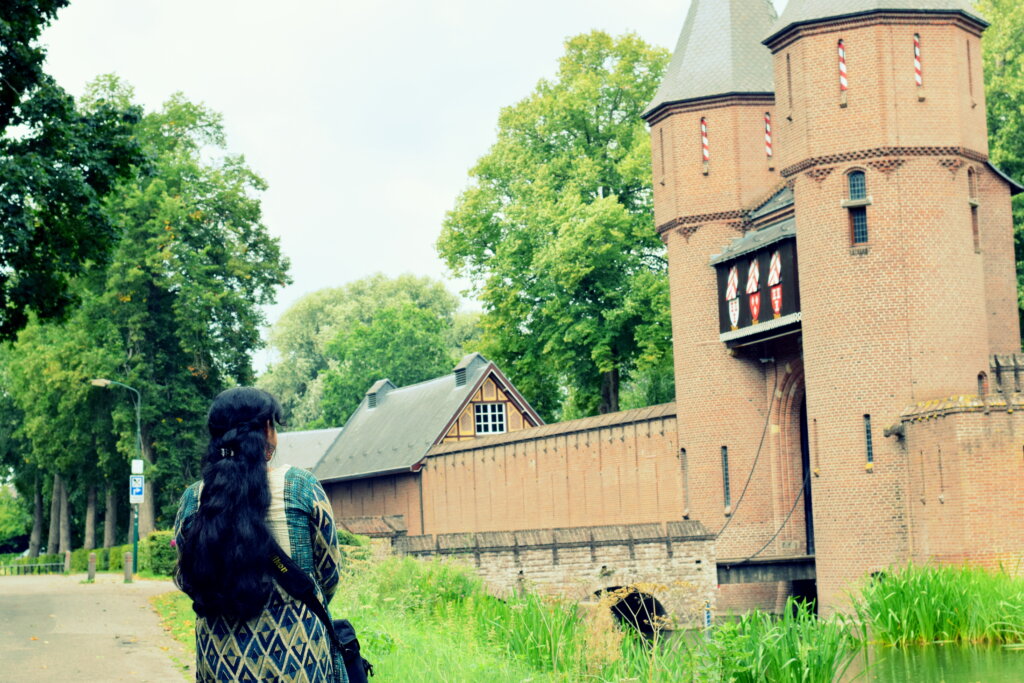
{"points": [[363, 117]]}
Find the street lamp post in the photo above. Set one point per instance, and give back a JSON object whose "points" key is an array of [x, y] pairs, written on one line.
{"points": [[102, 382]]}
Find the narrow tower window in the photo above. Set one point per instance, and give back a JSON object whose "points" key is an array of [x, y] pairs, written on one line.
{"points": [[970, 73], [725, 476], [867, 438], [982, 384], [789, 87], [661, 153], [844, 84], [768, 136], [972, 200], [705, 149], [857, 204], [918, 79]]}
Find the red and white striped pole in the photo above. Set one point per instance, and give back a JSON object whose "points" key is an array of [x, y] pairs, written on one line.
{"points": [[917, 60], [768, 135], [844, 85], [705, 148]]}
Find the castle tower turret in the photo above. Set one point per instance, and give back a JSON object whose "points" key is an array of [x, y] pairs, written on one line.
{"points": [[714, 159], [905, 248]]}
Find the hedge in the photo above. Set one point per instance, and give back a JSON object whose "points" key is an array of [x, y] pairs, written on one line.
{"points": [[157, 555]]}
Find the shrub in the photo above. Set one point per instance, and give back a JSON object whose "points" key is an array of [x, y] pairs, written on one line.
{"points": [[346, 537], [80, 560], [117, 552], [42, 559], [156, 554]]}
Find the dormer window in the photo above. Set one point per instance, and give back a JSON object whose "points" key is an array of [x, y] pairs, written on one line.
{"points": [[856, 204], [490, 418]]}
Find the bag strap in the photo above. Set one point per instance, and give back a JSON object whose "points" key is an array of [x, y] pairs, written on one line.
{"points": [[300, 586]]}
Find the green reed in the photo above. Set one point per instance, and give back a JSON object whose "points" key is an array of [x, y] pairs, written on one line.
{"points": [[918, 605]]}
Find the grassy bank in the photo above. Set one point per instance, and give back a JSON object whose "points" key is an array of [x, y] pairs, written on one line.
{"points": [[431, 621]]}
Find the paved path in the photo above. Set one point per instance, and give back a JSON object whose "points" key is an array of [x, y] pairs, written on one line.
{"points": [[56, 628]]}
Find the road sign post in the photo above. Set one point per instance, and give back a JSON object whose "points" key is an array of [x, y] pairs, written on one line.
{"points": [[136, 496]]}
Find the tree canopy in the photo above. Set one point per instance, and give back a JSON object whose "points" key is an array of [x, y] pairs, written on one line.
{"points": [[57, 162], [1003, 58], [174, 314], [555, 231], [334, 343]]}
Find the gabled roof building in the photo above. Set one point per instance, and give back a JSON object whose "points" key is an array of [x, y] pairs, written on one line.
{"points": [[394, 427]]}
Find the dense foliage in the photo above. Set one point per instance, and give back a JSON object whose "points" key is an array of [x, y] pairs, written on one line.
{"points": [[1003, 57], [58, 162], [175, 314], [333, 344], [555, 231]]}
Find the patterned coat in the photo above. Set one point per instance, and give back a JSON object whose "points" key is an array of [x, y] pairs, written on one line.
{"points": [[286, 642]]}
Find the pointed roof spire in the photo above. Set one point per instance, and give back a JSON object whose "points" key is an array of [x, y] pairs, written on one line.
{"points": [[719, 53], [800, 12]]}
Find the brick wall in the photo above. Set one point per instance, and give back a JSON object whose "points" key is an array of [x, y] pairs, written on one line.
{"points": [[609, 469], [674, 563], [395, 494], [966, 480]]}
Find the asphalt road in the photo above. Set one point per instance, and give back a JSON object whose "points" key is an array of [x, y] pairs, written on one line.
{"points": [[56, 628]]}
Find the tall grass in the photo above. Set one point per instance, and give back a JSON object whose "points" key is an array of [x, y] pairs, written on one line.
{"points": [[796, 647], [919, 605], [413, 614], [434, 621]]}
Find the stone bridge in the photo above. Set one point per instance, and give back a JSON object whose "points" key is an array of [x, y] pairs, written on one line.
{"points": [[667, 570]]}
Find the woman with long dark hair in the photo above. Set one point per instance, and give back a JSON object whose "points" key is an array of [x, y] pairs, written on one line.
{"points": [[247, 627]]}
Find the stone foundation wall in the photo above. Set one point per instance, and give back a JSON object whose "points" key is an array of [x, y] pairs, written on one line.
{"points": [[674, 563]]}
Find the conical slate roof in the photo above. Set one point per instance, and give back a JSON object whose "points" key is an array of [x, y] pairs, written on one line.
{"points": [[799, 12], [719, 52]]}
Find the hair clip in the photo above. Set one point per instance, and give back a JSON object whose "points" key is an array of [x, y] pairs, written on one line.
{"points": [[226, 453]]}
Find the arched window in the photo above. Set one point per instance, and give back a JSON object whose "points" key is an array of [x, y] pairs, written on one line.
{"points": [[982, 384], [858, 185], [856, 204]]}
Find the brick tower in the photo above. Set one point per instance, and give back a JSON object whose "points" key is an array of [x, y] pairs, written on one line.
{"points": [[840, 251], [907, 278], [711, 123]]}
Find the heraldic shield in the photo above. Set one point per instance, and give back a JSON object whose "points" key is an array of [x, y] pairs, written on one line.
{"points": [[776, 293]]}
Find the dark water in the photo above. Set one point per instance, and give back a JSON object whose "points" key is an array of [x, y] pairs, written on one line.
{"points": [[939, 664]]}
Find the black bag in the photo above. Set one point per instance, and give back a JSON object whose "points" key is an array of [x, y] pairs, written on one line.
{"points": [[343, 637], [357, 668]]}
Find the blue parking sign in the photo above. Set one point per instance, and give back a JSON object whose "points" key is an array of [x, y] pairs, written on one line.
{"points": [[136, 489]]}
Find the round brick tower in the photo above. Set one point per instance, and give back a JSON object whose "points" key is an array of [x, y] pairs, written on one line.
{"points": [[906, 267], [714, 159]]}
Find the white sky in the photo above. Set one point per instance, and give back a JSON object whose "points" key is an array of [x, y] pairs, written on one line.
{"points": [[363, 117]]}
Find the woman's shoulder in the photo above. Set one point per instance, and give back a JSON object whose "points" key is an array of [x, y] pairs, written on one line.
{"points": [[301, 484]]}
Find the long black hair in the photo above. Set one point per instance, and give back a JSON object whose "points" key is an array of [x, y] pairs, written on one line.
{"points": [[226, 546]]}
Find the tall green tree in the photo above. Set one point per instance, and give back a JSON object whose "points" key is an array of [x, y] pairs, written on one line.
{"points": [[403, 343], [305, 331], [57, 162], [175, 314], [1003, 58], [179, 308], [556, 233]]}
